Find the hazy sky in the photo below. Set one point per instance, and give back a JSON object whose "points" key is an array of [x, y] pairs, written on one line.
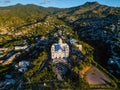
{"points": [[59, 3]]}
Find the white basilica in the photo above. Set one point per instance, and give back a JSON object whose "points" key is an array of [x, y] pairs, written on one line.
{"points": [[59, 50]]}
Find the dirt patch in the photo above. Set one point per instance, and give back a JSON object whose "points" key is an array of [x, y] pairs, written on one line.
{"points": [[82, 72], [94, 76]]}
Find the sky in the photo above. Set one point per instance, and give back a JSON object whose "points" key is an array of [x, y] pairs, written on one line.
{"points": [[59, 3]]}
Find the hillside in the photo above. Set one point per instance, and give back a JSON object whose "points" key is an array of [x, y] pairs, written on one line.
{"points": [[91, 21], [88, 10], [18, 15], [94, 26]]}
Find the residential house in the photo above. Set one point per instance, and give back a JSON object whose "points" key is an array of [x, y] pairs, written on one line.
{"points": [[22, 66], [21, 47]]}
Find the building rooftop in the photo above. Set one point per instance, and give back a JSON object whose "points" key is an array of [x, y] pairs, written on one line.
{"points": [[59, 50]]}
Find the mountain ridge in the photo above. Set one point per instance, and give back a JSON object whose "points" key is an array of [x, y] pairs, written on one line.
{"points": [[86, 3], [19, 14]]}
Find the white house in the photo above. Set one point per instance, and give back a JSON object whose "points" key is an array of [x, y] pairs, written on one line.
{"points": [[20, 47], [23, 66], [72, 41], [59, 50], [4, 49]]}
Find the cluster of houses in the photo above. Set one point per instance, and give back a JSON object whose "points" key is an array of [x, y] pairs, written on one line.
{"points": [[114, 60], [96, 28], [41, 42], [11, 54], [7, 55], [22, 66], [59, 54], [76, 48], [105, 30]]}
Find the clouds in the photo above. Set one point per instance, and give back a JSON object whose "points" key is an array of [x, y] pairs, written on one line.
{"points": [[5, 1], [45, 2]]}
